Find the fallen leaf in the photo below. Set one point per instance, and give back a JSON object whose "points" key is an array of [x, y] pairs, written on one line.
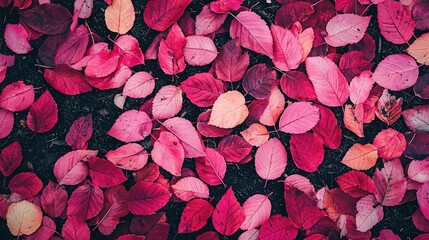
{"points": [[23, 218], [120, 16], [229, 110], [361, 157]]}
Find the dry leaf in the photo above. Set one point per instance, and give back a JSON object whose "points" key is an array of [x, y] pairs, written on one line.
{"points": [[420, 49], [229, 110], [23, 218], [361, 157], [120, 16]]}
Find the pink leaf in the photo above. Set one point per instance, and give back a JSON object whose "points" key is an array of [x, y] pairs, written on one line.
{"points": [[251, 234], [188, 188], [234, 148], [199, 50], [195, 216], [417, 118], [83, 7], [299, 117], [307, 151], [360, 87], [259, 81], [396, 72], [70, 168], [128, 48], [257, 209], [202, 89], [53, 199], [160, 14], [368, 214], [73, 48], [66, 80], [390, 144], [296, 85], [6, 120], [207, 21], [356, 184], [86, 201], [329, 83], [231, 63], [346, 29], [16, 38], [228, 214], [327, 128], [75, 228], [211, 168], [390, 183], [43, 114], [423, 199], [102, 64], [145, 198], [104, 174], [131, 126], [26, 185], [287, 49], [80, 132], [419, 170], [10, 158], [252, 33], [224, 6], [17, 96], [168, 153], [130, 156], [395, 22], [277, 227], [140, 85], [170, 53], [167, 102], [271, 159], [187, 135]]}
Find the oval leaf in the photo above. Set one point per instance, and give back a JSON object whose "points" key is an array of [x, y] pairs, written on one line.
{"points": [[120, 16], [346, 29], [299, 117], [270, 160], [229, 110]]}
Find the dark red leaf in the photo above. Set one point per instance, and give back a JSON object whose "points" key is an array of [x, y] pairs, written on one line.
{"points": [[85, 202], [356, 184], [231, 63], [145, 198], [195, 216], [66, 80], [80, 132], [421, 88], [43, 114], [45, 231], [307, 151], [297, 86], [277, 227], [26, 185], [50, 19], [160, 14], [10, 158], [234, 148], [75, 228], [149, 173], [417, 145], [353, 63], [104, 174], [259, 81], [53, 199]]}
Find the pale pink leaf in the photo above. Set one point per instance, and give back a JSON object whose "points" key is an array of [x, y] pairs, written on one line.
{"points": [[70, 169], [188, 188], [257, 209], [417, 118], [16, 38], [419, 170], [346, 29], [299, 117], [287, 49], [271, 159], [251, 234], [168, 153], [131, 126], [360, 87], [167, 102], [84, 8], [140, 85], [368, 215], [199, 50], [130, 156]]}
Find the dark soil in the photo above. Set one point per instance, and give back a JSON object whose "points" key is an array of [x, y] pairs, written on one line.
{"points": [[40, 151]]}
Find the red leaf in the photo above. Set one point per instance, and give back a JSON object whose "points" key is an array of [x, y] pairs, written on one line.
{"points": [[130, 156], [369, 213], [301, 209], [80, 132], [168, 153], [104, 174], [287, 49], [73, 48], [115, 207], [211, 168], [10, 158], [252, 32], [48, 18], [390, 183], [307, 151], [420, 222], [202, 89], [417, 118], [131, 126], [170, 53], [140, 85], [228, 214], [160, 14], [128, 48], [259, 81], [115, 80], [75, 228], [187, 135], [102, 64], [356, 184], [43, 114], [209, 130], [352, 64], [299, 117], [6, 120], [395, 22], [53, 199], [145, 198], [256, 209], [159, 232], [234, 148], [224, 6], [277, 227], [16, 38], [26, 185], [329, 83], [270, 160], [70, 168], [327, 128], [396, 72], [86, 201], [390, 144], [296, 85], [17, 96], [167, 102], [231, 63], [188, 188], [45, 231], [195, 216], [207, 21], [345, 29], [66, 80], [199, 50]]}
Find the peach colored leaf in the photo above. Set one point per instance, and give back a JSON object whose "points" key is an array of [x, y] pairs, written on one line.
{"points": [[130, 156], [299, 117], [23, 218], [120, 16], [353, 119], [229, 110], [256, 135], [346, 29], [275, 107], [199, 50], [188, 188], [167, 102], [419, 49], [361, 157], [257, 209]]}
